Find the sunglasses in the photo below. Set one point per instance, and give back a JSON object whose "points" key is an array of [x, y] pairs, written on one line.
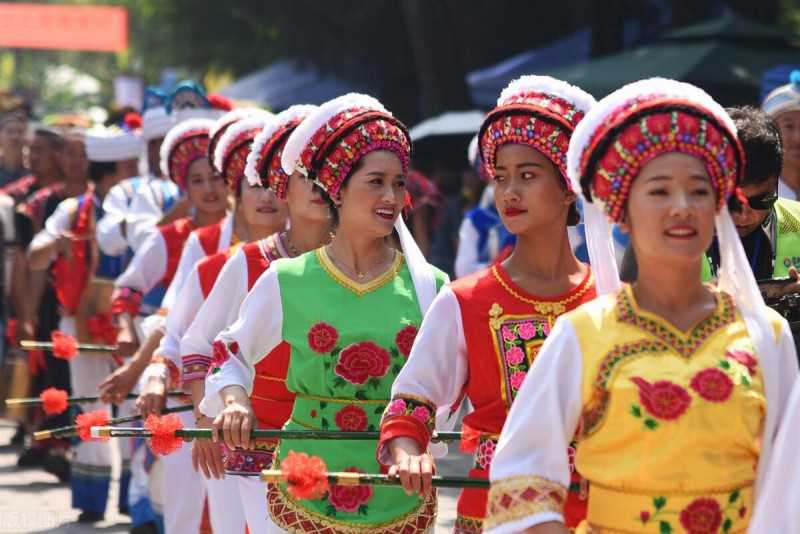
{"points": [[763, 201]]}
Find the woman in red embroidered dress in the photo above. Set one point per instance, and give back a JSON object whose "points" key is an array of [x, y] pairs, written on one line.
{"points": [[483, 331]]}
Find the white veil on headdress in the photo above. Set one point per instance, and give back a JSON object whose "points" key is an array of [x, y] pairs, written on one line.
{"points": [[419, 268]]}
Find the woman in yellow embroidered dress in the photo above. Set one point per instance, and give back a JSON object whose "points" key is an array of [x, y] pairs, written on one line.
{"points": [[674, 389]]}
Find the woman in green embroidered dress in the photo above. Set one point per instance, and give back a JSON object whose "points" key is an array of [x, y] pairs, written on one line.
{"points": [[347, 312]]}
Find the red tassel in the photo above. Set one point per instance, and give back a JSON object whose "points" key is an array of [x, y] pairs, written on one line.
{"points": [[469, 439], [307, 476], [86, 421], [64, 345], [740, 196], [164, 440], [54, 401], [220, 102], [133, 120]]}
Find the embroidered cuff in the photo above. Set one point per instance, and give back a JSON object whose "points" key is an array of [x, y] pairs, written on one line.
{"points": [[518, 497], [194, 367], [126, 300], [407, 416]]}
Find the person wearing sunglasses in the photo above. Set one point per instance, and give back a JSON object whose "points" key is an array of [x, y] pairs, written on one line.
{"points": [[768, 224]]}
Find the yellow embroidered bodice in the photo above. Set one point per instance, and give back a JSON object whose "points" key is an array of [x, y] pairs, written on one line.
{"points": [[671, 421]]}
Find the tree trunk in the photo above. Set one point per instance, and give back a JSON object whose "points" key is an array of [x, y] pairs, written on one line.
{"points": [[434, 40]]}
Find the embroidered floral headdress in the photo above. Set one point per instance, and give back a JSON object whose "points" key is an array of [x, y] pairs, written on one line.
{"points": [[264, 162], [641, 121], [224, 122], [230, 155], [538, 111], [328, 144], [182, 146]]}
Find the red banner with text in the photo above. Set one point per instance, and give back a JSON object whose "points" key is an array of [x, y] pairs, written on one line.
{"points": [[64, 27]]}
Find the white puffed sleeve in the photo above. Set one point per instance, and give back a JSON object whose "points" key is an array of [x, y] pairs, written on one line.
{"points": [[56, 225], [532, 451], [256, 332], [115, 208], [148, 266], [220, 309], [437, 367]]}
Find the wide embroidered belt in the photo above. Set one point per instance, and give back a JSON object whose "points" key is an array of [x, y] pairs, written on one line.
{"points": [[614, 511], [249, 462]]}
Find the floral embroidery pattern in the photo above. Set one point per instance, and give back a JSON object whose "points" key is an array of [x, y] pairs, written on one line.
{"points": [[349, 499], [703, 515], [485, 453], [322, 338], [351, 418], [626, 313], [595, 410], [518, 343], [745, 358], [421, 410], [220, 355], [662, 399], [361, 362], [405, 339], [713, 385]]}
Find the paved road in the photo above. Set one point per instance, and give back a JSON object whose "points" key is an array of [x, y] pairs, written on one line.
{"points": [[33, 501]]}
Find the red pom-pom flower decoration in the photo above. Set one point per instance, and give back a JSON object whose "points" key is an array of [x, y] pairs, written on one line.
{"points": [[133, 121], [86, 421], [164, 441], [306, 476], [64, 345], [54, 401]]}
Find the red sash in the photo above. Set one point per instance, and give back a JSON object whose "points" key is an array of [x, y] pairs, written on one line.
{"points": [[70, 276]]}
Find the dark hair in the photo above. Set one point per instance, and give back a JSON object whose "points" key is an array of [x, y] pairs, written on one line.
{"points": [[100, 169], [56, 141], [761, 141]]}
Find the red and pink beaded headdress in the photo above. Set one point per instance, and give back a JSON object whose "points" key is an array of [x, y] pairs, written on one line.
{"points": [[538, 111], [182, 146], [641, 121], [224, 122], [264, 162], [230, 154], [328, 143]]}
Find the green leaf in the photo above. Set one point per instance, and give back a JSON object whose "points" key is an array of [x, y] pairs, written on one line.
{"points": [[726, 526], [323, 405], [733, 496], [636, 411], [664, 527], [330, 510], [725, 364], [361, 395], [374, 383], [363, 509], [659, 502], [745, 380], [396, 368], [324, 423], [379, 410], [371, 428], [651, 423], [335, 352], [339, 382], [327, 365], [395, 352]]}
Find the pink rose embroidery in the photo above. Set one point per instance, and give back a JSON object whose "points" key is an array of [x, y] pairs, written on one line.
{"points": [[515, 355], [745, 358], [421, 413], [397, 407], [516, 379], [220, 354], [508, 335], [702, 516], [361, 361], [527, 330]]}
